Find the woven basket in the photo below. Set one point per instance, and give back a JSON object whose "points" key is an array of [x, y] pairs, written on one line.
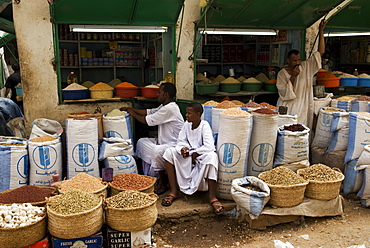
{"points": [[287, 196], [101, 192], [23, 236], [132, 219], [323, 190], [74, 226], [149, 189], [53, 190]]}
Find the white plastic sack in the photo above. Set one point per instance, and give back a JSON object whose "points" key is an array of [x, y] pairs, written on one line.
{"points": [[339, 129], [232, 150], [216, 121], [43, 126], [319, 103], [263, 143], [363, 164], [45, 160], [352, 178], [323, 134], [292, 147], [111, 147], [121, 164], [82, 147], [207, 114], [359, 106], [287, 120], [14, 164], [345, 105], [252, 201], [358, 135], [117, 126]]}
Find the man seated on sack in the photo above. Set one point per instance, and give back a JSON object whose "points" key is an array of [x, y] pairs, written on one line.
{"points": [[192, 164], [169, 120]]}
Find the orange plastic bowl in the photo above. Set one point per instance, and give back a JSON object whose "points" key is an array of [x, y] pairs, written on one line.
{"points": [[330, 82], [126, 91], [149, 92]]}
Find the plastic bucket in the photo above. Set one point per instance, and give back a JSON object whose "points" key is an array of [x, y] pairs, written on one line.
{"points": [[329, 82], [348, 81], [364, 82]]}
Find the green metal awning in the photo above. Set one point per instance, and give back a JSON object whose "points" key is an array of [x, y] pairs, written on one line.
{"points": [[127, 12], [271, 14], [6, 38], [354, 16]]}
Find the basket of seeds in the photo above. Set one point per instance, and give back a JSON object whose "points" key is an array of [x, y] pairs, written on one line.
{"points": [[132, 181], [286, 187], [324, 182], [131, 211]]}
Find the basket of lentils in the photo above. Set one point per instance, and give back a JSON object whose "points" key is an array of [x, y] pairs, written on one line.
{"points": [[35, 195], [132, 181], [131, 211], [286, 187], [74, 214], [324, 182]]}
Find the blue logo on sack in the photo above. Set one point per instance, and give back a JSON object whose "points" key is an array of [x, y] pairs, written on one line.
{"points": [[326, 120], [228, 155], [125, 161], [113, 134], [260, 154], [83, 155], [45, 158], [22, 168]]}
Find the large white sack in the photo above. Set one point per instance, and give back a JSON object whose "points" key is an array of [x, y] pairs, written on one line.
{"points": [[358, 135], [359, 106], [82, 147], [216, 121], [363, 164], [323, 133], [292, 147], [263, 143], [287, 120], [121, 164], [232, 150], [14, 165], [353, 178], [339, 129], [345, 105], [43, 126], [249, 200], [117, 126], [207, 114], [111, 147], [319, 103], [45, 160]]}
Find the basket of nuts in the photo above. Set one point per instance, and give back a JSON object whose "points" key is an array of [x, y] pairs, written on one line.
{"points": [[286, 187], [132, 181], [324, 182]]}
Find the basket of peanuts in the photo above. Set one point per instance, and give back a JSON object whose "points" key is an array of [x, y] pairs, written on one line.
{"points": [[132, 181]]}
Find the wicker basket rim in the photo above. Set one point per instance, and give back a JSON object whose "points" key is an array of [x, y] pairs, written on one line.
{"points": [[96, 191], [287, 186], [322, 182], [52, 189], [77, 214], [154, 196], [23, 227], [142, 189]]}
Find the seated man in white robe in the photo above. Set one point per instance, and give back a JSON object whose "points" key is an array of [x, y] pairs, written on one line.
{"points": [[169, 120], [193, 164]]}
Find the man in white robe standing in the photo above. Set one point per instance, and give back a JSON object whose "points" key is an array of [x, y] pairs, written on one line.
{"points": [[294, 82], [169, 120], [193, 164]]}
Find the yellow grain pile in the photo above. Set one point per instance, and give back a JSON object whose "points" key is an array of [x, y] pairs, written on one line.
{"points": [[101, 86], [226, 105], [230, 80], [219, 78], [210, 103], [200, 77], [235, 111]]}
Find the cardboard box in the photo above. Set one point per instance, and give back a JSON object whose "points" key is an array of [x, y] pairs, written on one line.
{"points": [[94, 241], [140, 239], [44, 243]]}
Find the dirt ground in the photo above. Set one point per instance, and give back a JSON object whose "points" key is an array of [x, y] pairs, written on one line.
{"points": [[350, 230]]}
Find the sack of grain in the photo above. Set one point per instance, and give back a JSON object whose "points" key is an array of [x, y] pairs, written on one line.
{"points": [[353, 178], [322, 134], [232, 149], [363, 164], [121, 164], [287, 120], [111, 147], [216, 110], [322, 102], [342, 104], [98, 116], [339, 129], [251, 195], [14, 164], [45, 156], [82, 147], [359, 106], [43, 126], [117, 126]]}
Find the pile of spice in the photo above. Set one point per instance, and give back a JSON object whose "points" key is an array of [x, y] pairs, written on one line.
{"points": [[328, 75], [345, 98], [116, 112], [220, 78], [101, 86], [364, 75], [73, 202], [251, 105], [207, 82], [152, 86], [241, 79], [75, 86], [25, 194], [129, 199], [265, 111], [363, 98], [114, 82], [295, 128], [131, 181], [272, 81], [281, 176], [44, 138], [201, 77], [230, 80], [345, 75], [321, 173], [88, 84], [82, 181], [225, 105], [237, 102], [262, 77], [210, 103], [126, 85], [251, 80], [269, 106], [235, 111]]}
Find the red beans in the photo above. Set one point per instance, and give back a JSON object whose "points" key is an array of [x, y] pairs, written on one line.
{"points": [[131, 181], [24, 194]]}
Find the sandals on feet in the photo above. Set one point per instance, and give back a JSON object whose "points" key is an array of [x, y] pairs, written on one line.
{"points": [[217, 206], [168, 200]]}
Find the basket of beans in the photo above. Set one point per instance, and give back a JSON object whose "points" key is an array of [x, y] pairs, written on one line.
{"points": [[132, 181], [324, 182]]}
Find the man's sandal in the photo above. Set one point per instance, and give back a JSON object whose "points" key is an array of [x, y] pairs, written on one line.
{"points": [[168, 200], [217, 206]]}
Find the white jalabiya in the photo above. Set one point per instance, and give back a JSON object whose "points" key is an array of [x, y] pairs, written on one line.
{"points": [[299, 98], [192, 177], [169, 120]]}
